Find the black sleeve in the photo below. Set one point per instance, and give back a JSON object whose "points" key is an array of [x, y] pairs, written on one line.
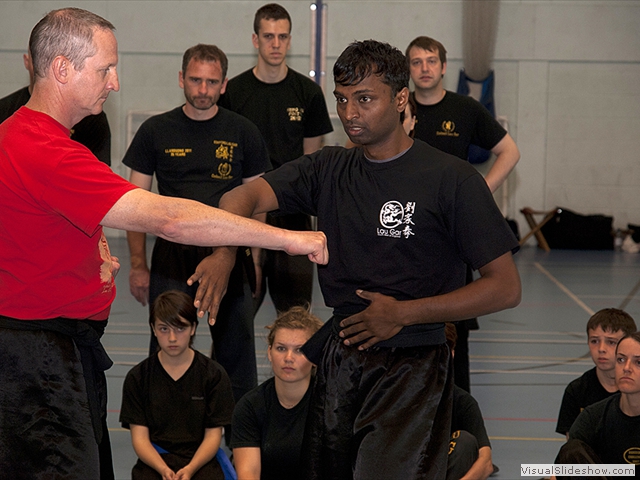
{"points": [[133, 409], [585, 426], [140, 155], [219, 396], [569, 411], [470, 419], [246, 428], [488, 132]]}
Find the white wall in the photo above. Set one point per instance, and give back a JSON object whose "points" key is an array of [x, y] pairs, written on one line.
{"points": [[566, 76]]}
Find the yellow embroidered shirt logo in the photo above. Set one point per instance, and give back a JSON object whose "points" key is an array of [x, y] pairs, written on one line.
{"points": [[224, 152], [295, 114], [448, 129], [632, 455]]}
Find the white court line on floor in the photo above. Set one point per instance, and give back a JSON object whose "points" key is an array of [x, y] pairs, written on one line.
{"points": [[527, 372], [532, 362], [562, 287], [528, 332], [526, 340]]}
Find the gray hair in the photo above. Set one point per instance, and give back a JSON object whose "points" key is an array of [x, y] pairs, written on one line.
{"points": [[67, 32]]}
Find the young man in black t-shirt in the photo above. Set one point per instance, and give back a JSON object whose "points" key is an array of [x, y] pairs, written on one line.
{"points": [[199, 151], [452, 123], [290, 111], [401, 228]]}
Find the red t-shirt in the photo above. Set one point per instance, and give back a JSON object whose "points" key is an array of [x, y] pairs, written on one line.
{"points": [[54, 258]]}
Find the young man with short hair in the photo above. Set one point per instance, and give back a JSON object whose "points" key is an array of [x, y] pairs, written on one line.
{"points": [[290, 111], [451, 122], [402, 221], [605, 328], [199, 151]]}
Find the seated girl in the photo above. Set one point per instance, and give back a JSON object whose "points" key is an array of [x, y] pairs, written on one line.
{"points": [[176, 401], [269, 421]]}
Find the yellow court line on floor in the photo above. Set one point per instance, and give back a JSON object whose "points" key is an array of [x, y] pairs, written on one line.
{"points": [[568, 292]]}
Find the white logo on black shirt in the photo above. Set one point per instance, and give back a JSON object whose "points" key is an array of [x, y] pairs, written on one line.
{"points": [[396, 219]]}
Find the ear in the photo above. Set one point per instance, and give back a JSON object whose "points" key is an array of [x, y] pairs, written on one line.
{"points": [[181, 79], [193, 329], [61, 68], [269, 353], [444, 68], [254, 40], [402, 98], [26, 59]]}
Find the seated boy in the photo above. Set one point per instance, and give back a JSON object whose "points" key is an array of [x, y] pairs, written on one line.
{"points": [[604, 330], [469, 448], [176, 401], [608, 432]]}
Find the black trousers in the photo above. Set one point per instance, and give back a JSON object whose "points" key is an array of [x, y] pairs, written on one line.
{"points": [[289, 279], [382, 413], [53, 401]]}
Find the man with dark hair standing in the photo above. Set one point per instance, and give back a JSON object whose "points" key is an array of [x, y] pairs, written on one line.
{"points": [[402, 221], [290, 111], [199, 151], [452, 123], [92, 131], [56, 271]]}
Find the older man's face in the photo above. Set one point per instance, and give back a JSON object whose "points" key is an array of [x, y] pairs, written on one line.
{"points": [[98, 77]]}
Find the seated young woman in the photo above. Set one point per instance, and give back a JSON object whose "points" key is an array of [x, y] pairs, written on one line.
{"points": [[176, 401], [269, 421]]}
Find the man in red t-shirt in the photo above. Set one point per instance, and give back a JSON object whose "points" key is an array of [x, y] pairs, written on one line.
{"points": [[56, 271]]}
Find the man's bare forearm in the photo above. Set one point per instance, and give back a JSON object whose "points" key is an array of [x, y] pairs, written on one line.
{"points": [[192, 223]]}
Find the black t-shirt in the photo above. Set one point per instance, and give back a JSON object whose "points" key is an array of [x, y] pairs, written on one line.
{"points": [[579, 394], [286, 112], [466, 415], [405, 228], [614, 436], [260, 421], [198, 160], [176, 412], [456, 122], [92, 131]]}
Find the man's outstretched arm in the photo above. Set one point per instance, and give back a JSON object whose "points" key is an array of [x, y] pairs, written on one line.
{"points": [[498, 288], [192, 223]]}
